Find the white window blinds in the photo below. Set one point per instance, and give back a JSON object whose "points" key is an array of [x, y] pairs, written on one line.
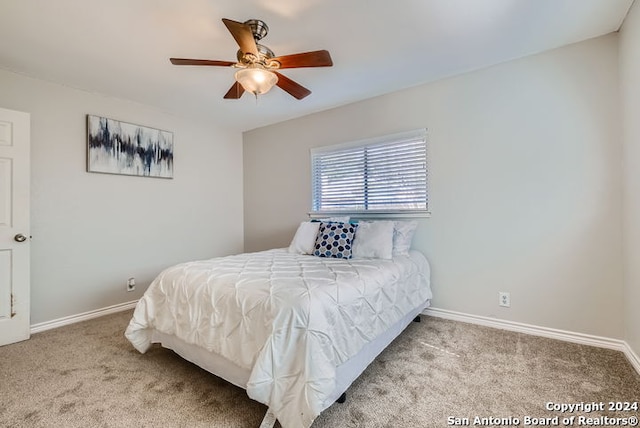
{"points": [[385, 175]]}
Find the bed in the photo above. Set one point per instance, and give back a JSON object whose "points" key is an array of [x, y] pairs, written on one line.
{"points": [[294, 330]]}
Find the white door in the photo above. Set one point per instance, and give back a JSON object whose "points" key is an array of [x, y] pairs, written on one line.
{"points": [[15, 141]]}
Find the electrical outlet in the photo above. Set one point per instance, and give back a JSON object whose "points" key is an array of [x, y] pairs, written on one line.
{"points": [[504, 299], [131, 284]]}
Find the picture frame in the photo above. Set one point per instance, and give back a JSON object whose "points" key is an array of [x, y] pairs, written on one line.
{"points": [[123, 148]]}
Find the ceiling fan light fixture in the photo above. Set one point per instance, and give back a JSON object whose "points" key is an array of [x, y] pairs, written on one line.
{"points": [[256, 80]]}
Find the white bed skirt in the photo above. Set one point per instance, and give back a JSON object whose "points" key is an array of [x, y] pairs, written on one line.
{"points": [[346, 373]]}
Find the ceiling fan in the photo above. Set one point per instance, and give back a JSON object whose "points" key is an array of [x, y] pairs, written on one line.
{"points": [[258, 65]]}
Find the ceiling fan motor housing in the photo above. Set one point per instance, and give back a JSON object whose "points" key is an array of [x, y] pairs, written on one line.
{"points": [[258, 28], [264, 54]]}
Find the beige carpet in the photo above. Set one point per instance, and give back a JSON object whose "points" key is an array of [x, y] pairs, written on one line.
{"points": [[88, 375]]}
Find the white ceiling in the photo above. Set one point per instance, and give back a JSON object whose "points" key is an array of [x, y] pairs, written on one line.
{"points": [[121, 48]]}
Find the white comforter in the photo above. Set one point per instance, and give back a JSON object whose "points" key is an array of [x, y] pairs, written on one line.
{"points": [[289, 319]]}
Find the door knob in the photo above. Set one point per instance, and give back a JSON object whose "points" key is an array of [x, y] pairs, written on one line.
{"points": [[20, 237]]}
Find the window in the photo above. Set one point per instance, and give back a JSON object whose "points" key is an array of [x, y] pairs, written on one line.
{"points": [[386, 175]]}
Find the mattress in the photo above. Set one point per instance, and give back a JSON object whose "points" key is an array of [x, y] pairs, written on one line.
{"points": [[288, 322]]}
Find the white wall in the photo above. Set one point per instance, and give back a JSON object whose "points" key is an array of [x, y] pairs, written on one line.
{"points": [[93, 231], [630, 90], [525, 184]]}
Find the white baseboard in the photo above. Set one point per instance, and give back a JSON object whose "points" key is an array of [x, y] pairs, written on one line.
{"points": [[567, 336], [632, 357], [48, 325]]}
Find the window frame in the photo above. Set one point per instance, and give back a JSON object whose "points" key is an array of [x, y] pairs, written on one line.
{"points": [[416, 134]]}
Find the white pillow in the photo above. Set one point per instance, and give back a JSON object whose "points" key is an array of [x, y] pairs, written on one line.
{"points": [[304, 240], [374, 239], [402, 236]]}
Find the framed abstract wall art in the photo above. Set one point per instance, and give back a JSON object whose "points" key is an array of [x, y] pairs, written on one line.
{"points": [[115, 147]]}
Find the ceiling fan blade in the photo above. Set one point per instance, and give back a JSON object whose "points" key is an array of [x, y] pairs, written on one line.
{"points": [[306, 59], [294, 89], [235, 92], [243, 36], [187, 61]]}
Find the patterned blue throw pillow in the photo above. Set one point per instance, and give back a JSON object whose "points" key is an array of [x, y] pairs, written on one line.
{"points": [[334, 240]]}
